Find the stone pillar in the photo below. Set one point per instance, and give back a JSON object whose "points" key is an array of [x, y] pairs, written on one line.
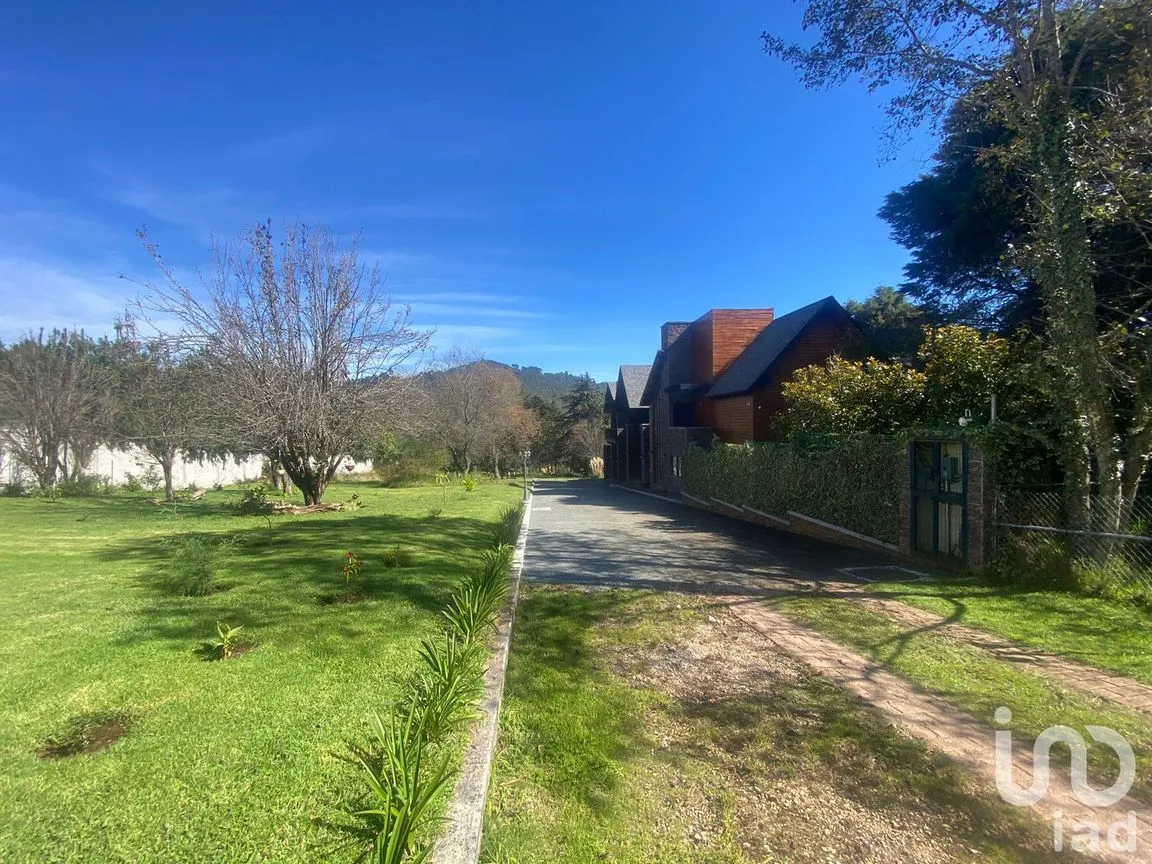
{"points": [[979, 513], [906, 504]]}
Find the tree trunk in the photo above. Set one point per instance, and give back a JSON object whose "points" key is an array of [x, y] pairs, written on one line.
{"points": [[299, 468], [166, 467]]}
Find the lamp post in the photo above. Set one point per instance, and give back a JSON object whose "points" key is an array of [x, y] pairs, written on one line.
{"points": [[526, 455]]}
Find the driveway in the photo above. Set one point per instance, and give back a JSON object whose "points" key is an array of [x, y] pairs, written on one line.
{"points": [[588, 533]]}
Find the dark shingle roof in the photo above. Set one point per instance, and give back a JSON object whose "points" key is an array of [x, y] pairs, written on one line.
{"points": [[747, 369], [633, 379], [652, 386], [609, 396]]}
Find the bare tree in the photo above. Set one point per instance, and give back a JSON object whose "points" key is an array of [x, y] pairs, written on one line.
{"points": [[159, 400], [303, 352], [53, 394], [471, 405]]}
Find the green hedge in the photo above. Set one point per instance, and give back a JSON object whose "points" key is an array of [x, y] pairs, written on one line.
{"points": [[852, 481]]}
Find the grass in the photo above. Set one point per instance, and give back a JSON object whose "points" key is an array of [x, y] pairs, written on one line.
{"points": [[592, 766], [1111, 635], [977, 683], [243, 760]]}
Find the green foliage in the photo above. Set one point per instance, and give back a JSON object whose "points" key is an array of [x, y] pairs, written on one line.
{"points": [[892, 326], [83, 485], [873, 396], [352, 570], [50, 493], [400, 460], [254, 502], [397, 556], [1113, 578], [437, 700], [131, 483], [13, 489], [448, 684], [855, 481], [227, 640], [961, 369], [402, 787], [196, 560], [507, 530], [470, 483]]}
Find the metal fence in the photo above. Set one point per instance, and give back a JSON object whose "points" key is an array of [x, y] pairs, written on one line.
{"points": [[1032, 528]]}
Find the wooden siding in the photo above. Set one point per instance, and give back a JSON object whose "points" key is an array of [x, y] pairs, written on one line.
{"points": [[822, 338], [732, 331], [733, 419]]}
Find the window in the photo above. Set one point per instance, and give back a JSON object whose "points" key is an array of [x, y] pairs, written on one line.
{"points": [[677, 466], [683, 414]]}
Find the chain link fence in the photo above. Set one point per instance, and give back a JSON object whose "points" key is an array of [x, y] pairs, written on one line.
{"points": [[1033, 532]]}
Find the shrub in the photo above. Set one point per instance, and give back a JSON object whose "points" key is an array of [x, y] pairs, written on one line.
{"points": [[254, 502], [85, 485], [352, 570], [50, 493], [507, 530], [402, 787], [397, 557], [855, 481], [433, 512], [131, 482], [227, 640], [1114, 578], [448, 684], [195, 562], [470, 483], [13, 489]]}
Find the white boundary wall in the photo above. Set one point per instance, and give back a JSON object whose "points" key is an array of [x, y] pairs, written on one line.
{"points": [[116, 464]]}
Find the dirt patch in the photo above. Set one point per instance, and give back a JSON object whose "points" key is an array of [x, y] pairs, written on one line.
{"points": [[343, 597], [768, 761], [85, 734]]}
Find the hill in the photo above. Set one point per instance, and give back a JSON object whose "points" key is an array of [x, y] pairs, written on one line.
{"points": [[549, 385]]}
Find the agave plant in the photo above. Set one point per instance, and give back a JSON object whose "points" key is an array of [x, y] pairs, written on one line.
{"points": [[507, 530], [448, 684]]}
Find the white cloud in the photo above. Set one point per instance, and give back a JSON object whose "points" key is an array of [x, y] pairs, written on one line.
{"points": [[35, 294]]}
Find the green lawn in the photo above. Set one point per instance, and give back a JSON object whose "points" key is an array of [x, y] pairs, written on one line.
{"points": [[617, 743], [1111, 635], [237, 760], [978, 683]]}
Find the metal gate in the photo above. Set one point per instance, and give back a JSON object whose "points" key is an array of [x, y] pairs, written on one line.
{"points": [[939, 513]]}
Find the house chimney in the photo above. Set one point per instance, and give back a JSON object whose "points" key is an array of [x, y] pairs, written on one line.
{"points": [[671, 331]]}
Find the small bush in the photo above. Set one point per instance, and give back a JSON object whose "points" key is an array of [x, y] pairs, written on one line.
{"points": [[13, 489], [470, 483], [434, 512], [447, 685], [85, 485], [352, 570], [1113, 579], [195, 562], [227, 643], [50, 493], [254, 502], [507, 530], [131, 482], [397, 557]]}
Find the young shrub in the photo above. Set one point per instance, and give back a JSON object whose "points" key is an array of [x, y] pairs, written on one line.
{"points": [[447, 685], [352, 570], [13, 489], [397, 557], [254, 502], [402, 787], [472, 610], [507, 530], [195, 562], [227, 643], [131, 482], [434, 512], [470, 483]]}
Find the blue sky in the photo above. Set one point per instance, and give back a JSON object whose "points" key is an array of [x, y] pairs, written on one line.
{"points": [[546, 182]]}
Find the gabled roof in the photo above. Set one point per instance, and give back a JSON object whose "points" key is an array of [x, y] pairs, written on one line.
{"points": [[630, 385], [609, 396], [755, 361], [652, 386]]}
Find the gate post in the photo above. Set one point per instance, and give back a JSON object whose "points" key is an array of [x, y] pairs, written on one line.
{"points": [[979, 509], [906, 504]]}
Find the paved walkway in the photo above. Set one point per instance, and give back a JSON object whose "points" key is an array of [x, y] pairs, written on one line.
{"points": [[585, 533]]}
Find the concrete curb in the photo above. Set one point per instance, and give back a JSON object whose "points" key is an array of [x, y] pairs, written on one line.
{"points": [[464, 826]]}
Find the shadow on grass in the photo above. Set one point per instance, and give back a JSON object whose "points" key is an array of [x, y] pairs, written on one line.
{"points": [[583, 723], [287, 580]]}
